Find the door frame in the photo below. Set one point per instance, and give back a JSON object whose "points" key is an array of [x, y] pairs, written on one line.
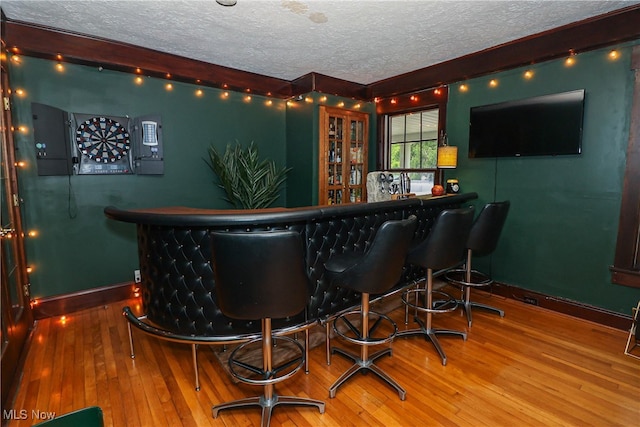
{"points": [[17, 319]]}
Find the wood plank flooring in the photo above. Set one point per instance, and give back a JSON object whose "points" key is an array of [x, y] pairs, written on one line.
{"points": [[531, 368]]}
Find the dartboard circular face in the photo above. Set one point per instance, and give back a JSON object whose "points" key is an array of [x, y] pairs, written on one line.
{"points": [[103, 140]]}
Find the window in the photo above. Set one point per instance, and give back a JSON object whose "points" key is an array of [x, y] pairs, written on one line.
{"points": [[412, 146]]}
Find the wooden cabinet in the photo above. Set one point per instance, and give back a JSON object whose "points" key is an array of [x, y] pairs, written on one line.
{"points": [[344, 140]]}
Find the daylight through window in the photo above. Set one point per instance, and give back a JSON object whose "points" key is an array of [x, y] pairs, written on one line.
{"points": [[412, 142]]}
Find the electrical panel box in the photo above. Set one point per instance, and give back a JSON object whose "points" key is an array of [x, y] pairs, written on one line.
{"points": [[51, 138], [148, 151]]}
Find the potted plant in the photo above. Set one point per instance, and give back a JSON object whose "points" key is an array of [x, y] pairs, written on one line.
{"points": [[248, 181]]}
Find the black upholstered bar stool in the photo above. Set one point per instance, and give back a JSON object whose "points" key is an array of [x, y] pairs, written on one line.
{"points": [[374, 271], [262, 275], [442, 249], [483, 240]]}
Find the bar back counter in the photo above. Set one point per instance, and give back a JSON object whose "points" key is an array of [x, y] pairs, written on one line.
{"points": [[178, 288]]}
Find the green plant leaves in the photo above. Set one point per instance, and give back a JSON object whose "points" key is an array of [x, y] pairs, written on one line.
{"points": [[248, 182]]}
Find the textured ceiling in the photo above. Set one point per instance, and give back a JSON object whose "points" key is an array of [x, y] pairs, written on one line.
{"points": [[362, 41]]}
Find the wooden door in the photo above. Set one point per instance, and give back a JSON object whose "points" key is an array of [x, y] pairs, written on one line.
{"points": [[17, 319]]}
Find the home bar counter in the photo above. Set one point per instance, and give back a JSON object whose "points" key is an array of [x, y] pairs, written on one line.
{"points": [[178, 288]]}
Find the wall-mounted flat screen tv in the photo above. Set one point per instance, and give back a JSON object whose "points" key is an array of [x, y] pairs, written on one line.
{"points": [[546, 125]]}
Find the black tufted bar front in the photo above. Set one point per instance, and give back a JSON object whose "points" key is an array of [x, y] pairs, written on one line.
{"points": [[178, 289]]}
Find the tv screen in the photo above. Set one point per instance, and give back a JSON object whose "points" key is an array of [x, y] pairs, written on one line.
{"points": [[546, 125]]}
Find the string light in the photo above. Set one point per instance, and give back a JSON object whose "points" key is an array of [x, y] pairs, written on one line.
{"points": [[571, 60], [528, 74], [32, 233]]}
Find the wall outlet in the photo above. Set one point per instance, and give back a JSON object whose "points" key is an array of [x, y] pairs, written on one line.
{"points": [[136, 276], [530, 300]]}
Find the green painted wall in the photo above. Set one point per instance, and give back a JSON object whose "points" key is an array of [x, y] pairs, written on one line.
{"points": [[302, 152], [560, 235], [559, 238], [77, 247]]}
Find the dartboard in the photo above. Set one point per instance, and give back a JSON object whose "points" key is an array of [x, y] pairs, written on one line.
{"points": [[102, 139]]}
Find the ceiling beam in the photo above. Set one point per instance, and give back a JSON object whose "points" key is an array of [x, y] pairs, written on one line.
{"points": [[45, 42], [589, 34], [604, 30]]}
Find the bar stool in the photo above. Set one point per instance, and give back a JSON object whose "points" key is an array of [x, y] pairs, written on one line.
{"points": [[442, 249], [483, 240], [262, 275], [374, 271]]}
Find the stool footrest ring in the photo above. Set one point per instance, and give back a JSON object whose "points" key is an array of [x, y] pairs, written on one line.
{"points": [[290, 367], [444, 305], [459, 277], [357, 338]]}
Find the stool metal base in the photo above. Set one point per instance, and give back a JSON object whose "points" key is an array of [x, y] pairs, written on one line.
{"points": [[268, 377], [468, 305], [267, 405], [424, 303], [431, 334], [365, 365], [364, 338], [467, 280]]}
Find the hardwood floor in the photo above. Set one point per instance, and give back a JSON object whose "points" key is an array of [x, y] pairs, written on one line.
{"points": [[533, 367]]}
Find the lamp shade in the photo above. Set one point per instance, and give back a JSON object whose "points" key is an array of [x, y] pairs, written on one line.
{"points": [[447, 157]]}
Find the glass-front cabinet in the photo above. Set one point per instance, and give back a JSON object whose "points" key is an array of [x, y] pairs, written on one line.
{"points": [[344, 140]]}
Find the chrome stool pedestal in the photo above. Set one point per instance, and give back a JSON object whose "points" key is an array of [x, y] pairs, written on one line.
{"points": [[447, 304], [364, 338], [267, 376], [467, 280]]}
